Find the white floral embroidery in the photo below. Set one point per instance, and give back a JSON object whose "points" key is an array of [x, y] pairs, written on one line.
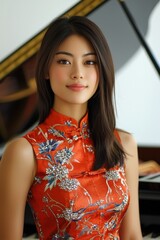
{"points": [[55, 173], [64, 155], [69, 184]]}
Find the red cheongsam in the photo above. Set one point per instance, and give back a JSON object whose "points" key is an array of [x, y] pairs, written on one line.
{"points": [[68, 199]]}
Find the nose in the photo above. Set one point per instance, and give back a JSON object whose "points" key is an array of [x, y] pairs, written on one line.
{"points": [[77, 76], [76, 73]]}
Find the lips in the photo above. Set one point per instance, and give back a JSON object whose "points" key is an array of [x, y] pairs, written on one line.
{"points": [[76, 87]]}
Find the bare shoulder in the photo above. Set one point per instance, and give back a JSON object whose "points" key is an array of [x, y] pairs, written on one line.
{"points": [[19, 147], [18, 152], [128, 141], [17, 171], [130, 227], [130, 147]]}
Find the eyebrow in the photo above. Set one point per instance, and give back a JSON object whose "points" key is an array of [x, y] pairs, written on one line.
{"points": [[70, 54]]}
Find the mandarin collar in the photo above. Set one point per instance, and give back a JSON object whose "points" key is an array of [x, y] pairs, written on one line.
{"points": [[55, 118]]}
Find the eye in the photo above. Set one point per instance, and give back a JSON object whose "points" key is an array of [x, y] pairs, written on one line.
{"points": [[63, 61], [90, 62]]}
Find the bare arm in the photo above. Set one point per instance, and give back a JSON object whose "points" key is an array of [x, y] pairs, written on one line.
{"points": [[17, 169], [130, 228]]}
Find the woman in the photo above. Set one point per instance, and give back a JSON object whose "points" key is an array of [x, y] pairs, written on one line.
{"points": [[79, 174]]}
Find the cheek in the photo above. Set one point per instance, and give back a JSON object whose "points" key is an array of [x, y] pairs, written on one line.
{"points": [[56, 75], [94, 78]]}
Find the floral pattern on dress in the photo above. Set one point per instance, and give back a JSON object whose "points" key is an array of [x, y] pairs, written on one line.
{"points": [[63, 156], [69, 184], [53, 174], [68, 199], [48, 146]]}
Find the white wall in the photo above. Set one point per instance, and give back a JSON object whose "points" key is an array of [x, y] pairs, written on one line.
{"points": [[20, 20], [137, 82], [138, 90]]}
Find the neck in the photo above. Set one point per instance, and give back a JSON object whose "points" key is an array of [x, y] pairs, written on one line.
{"points": [[76, 111]]}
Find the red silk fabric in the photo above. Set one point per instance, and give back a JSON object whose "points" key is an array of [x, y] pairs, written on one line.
{"points": [[69, 200]]}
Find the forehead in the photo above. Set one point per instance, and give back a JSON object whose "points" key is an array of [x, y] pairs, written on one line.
{"points": [[76, 43]]}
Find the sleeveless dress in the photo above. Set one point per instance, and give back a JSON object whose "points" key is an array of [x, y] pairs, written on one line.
{"points": [[68, 199]]}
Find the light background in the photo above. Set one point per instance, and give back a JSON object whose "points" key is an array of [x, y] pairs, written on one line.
{"points": [[137, 82]]}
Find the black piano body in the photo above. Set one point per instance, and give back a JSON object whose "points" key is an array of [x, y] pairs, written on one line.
{"points": [[149, 195], [149, 199]]}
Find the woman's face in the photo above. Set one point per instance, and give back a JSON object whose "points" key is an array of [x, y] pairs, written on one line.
{"points": [[73, 72]]}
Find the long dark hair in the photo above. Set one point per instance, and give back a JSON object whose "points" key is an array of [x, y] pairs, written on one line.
{"points": [[108, 151]]}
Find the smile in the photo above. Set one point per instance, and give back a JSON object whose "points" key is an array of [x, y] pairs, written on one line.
{"points": [[76, 87]]}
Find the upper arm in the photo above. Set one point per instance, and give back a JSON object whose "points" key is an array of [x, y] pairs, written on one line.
{"points": [[130, 228], [17, 171]]}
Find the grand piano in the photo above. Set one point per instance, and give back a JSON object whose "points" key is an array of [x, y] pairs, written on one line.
{"points": [[18, 96]]}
